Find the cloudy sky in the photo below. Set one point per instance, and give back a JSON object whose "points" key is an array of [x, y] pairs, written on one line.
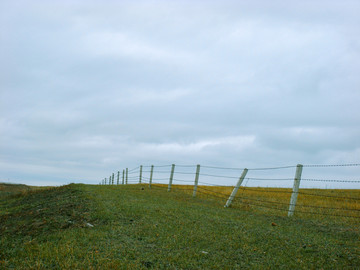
{"points": [[92, 87]]}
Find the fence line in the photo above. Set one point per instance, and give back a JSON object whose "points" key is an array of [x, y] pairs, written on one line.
{"points": [[189, 177]]}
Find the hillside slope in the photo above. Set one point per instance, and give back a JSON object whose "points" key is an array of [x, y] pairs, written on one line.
{"points": [[7, 189], [132, 227]]}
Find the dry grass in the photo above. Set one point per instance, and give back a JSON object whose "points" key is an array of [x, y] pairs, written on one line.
{"points": [[335, 204]]}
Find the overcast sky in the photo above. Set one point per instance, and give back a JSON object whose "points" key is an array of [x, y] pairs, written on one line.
{"points": [[91, 87]]}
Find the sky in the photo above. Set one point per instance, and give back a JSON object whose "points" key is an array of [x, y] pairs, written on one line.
{"points": [[88, 88]]}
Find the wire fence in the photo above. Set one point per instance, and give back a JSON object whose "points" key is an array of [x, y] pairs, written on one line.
{"points": [[340, 197]]}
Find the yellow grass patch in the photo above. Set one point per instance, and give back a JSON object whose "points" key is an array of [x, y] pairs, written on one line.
{"points": [[337, 204]]}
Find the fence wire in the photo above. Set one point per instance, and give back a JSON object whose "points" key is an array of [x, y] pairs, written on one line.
{"points": [[212, 183]]}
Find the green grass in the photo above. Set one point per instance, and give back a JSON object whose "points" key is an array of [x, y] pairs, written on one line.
{"points": [[138, 228], [7, 189]]}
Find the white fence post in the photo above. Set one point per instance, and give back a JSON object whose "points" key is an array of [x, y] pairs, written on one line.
{"points": [[196, 179], [126, 179], [295, 192], [151, 175], [232, 196], [140, 174], [118, 177], [171, 176], [123, 177]]}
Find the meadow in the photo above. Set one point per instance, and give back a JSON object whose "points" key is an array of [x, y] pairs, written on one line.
{"points": [[135, 227], [338, 205]]}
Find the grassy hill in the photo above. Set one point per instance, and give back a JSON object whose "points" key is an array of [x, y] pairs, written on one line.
{"points": [[133, 227], [7, 189]]}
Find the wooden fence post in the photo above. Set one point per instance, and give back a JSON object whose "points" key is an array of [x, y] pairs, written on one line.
{"points": [[232, 196], [295, 192], [112, 182], [140, 174], [171, 176], [151, 175], [118, 178], [196, 179], [123, 177], [126, 179]]}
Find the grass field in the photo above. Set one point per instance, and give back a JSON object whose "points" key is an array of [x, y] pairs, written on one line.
{"points": [[134, 227], [321, 204], [11, 189]]}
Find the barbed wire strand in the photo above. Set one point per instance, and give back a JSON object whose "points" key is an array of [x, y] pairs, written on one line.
{"points": [[331, 180], [219, 176], [224, 196], [213, 185], [298, 205], [188, 173], [222, 168], [185, 166], [134, 169], [272, 168], [331, 165], [212, 195], [270, 179], [181, 180], [297, 211], [329, 196], [157, 166]]}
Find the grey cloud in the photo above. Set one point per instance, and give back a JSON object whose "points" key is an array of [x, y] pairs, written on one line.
{"points": [[88, 87]]}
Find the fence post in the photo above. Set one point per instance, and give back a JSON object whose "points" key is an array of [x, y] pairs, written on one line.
{"points": [[233, 193], [123, 175], [112, 182], [118, 177], [126, 179], [140, 174], [196, 179], [295, 192], [151, 175], [171, 176]]}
